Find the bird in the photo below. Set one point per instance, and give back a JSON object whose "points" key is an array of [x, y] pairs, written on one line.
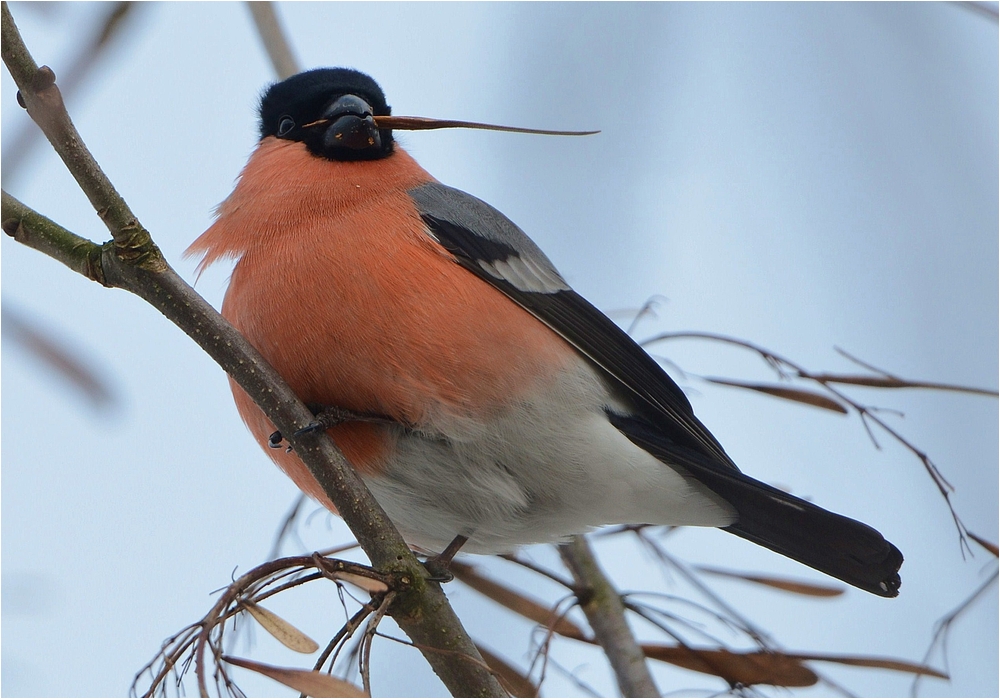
{"points": [[479, 397]]}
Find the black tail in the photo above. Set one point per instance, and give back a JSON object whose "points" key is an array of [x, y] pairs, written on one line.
{"points": [[836, 545]]}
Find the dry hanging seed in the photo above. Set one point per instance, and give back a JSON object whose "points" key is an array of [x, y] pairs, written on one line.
{"points": [[287, 635]]}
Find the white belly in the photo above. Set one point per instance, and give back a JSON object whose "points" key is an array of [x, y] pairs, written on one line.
{"points": [[551, 467]]}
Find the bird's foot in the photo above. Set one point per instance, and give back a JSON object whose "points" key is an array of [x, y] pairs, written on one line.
{"points": [[438, 566], [275, 440], [327, 416]]}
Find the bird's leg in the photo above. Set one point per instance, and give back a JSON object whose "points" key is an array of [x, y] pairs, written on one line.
{"points": [[328, 416], [438, 565]]}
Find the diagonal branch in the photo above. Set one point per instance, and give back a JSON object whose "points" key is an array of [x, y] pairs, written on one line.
{"points": [[133, 262]]}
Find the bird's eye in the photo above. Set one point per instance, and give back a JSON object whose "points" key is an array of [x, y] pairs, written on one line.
{"points": [[285, 125]]}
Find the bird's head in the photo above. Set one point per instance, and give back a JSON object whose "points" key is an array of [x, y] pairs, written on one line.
{"points": [[332, 111]]}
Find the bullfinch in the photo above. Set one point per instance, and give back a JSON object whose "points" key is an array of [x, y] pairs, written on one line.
{"points": [[478, 395]]}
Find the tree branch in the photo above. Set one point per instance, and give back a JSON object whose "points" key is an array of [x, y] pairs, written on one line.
{"points": [[89, 53], [605, 611], [37, 92], [35, 231], [273, 37], [133, 262]]}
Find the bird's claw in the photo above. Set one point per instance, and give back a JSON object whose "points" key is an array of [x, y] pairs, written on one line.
{"points": [[438, 566], [327, 417], [311, 427], [438, 570], [275, 440]]}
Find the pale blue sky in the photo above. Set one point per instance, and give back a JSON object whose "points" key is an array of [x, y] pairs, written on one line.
{"points": [[802, 176]]}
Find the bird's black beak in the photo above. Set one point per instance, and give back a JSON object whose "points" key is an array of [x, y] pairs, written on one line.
{"points": [[351, 127]]}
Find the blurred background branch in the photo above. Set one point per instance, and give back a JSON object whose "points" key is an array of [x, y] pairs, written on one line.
{"points": [[60, 357], [275, 41]]}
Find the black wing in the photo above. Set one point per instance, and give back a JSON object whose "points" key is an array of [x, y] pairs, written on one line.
{"points": [[490, 246]]}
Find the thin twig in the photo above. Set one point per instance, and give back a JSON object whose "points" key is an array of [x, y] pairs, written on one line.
{"points": [[649, 613], [887, 380], [786, 368], [513, 558], [287, 525], [542, 652], [338, 549], [458, 655], [944, 626], [760, 637], [366, 641], [217, 616], [209, 631], [573, 677], [647, 309], [179, 642], [346, 631]]}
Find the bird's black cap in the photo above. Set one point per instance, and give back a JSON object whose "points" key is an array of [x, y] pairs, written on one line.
{"points": [[291, 109]]}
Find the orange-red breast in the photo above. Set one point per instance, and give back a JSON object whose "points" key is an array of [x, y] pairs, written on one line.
{"points": [[509, 409]]}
